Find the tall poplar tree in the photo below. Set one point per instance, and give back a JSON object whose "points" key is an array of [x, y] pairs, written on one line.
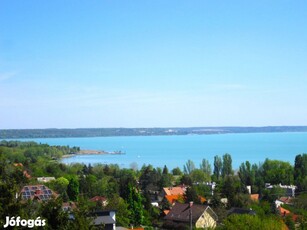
{"points": [[227, 165], [217, 167]]}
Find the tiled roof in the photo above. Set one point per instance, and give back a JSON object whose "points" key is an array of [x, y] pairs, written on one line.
{"points": [[98, 198], [285, 199], [166, 212], [202, 199], [254, 197], [173, 198], [174, 190], [283, 211], [181, 212]]}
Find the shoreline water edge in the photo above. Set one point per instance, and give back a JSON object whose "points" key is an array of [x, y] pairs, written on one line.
{"points": [[93, 152]]}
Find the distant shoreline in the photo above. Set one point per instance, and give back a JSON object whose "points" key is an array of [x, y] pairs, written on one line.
{"points": [[92, 152], [116, 132]]}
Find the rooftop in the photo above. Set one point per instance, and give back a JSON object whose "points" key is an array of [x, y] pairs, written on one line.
{"points": [[40, 192]]}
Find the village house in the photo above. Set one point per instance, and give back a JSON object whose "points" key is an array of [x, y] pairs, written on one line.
{"points": [[100, 199], [45, 179], [254, 197], [38, 192], [202, 216], [172, 199], [69, 207], [153, 192], [284, 213], [172, 191], [283, 200], [210, 185], [106, 218], [289, 189], [25, 172]]}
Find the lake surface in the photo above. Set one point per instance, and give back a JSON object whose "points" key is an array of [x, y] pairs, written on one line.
{"points": [[174, 151]]}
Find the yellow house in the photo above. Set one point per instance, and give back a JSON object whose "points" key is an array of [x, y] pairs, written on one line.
{"points": [[202, 216]]}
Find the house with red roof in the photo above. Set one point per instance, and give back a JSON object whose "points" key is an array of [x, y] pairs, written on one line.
{"points": [[283, 200], [25, 172], [172, 192], [254, 197], [174, 198], [100, 199], [18, 164], [285, 212], [179, 190]]}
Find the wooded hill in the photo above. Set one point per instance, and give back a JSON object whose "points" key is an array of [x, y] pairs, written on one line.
{"points": [[100, 132]]}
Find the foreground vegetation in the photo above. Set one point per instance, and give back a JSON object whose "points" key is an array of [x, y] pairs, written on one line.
{"points": [[128, 190]]}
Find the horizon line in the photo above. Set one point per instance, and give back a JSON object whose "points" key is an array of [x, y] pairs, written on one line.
{"points": [[157, 127]]}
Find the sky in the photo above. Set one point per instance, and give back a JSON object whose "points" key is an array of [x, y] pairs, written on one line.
{"points": [[162, 63]]}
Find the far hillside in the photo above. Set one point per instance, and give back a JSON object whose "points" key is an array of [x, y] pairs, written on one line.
{"points": [[100, 132]]}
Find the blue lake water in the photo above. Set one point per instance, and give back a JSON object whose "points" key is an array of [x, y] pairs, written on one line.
{"points": [[174, 151]]}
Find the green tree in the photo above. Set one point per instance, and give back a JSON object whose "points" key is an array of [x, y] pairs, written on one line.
{"points": [[191, 195], [199, 176], [135, 206], [165, 181], [52, 211], [87, 184], [250, 222], [227, 165], [272, 194], [247, 174], [150, 178], [73, 189], [186, 179], [300, 172], [127, 177], [189, 167], [122, 212], [290, 222], [231, 188], [275, 172], [165, 170], [206, 168], [81, 220], [176, 171], [61, 184], [217, 170]]}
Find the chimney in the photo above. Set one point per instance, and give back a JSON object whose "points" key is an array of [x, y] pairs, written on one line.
{"points": [[249, 189]]}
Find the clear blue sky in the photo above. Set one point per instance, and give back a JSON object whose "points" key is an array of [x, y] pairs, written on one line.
{"points": [[162, 63]]}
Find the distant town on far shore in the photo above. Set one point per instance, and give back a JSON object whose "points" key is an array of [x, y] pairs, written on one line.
{"points": [[96, 132]]}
